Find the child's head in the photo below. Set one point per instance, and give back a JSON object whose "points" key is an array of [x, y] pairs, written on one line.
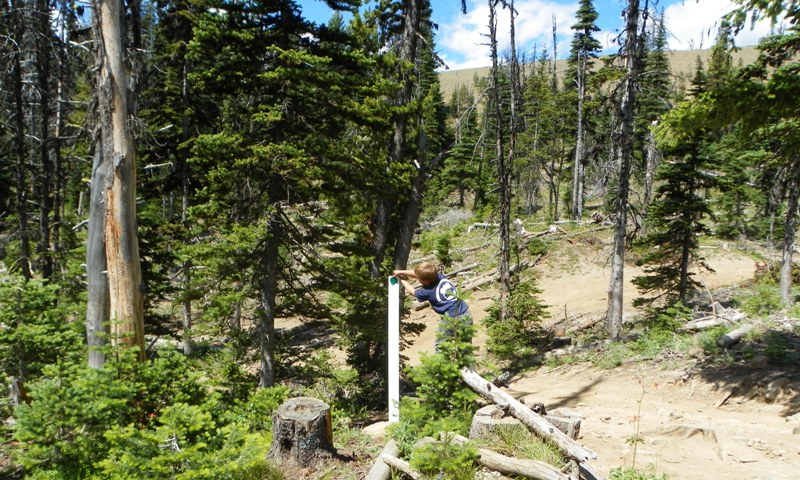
{"points": [[426, 272]]}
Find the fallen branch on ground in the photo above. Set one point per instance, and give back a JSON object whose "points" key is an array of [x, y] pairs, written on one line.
{"points": [[535, 422]]}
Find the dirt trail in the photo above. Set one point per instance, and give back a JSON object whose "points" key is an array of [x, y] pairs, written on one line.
{"points": [[578, 292], [683, 432]]}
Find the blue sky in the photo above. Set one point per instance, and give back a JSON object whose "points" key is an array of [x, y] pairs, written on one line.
{"points": [[691, 24]]}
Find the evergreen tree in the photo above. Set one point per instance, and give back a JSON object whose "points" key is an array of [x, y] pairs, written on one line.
{"points": [[653, 100], [584, 49], [678, 215], [291, 96]]}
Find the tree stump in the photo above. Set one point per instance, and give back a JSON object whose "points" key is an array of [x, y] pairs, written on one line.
{"points": [[301, 432]]}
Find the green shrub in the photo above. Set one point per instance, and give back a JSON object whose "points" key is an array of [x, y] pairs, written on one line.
{"points": [[764, 300], [628, 473], [444, 403], [518, 337], [537, 246], [37, 330], [776, 347], [81, 420], [445, 459]]}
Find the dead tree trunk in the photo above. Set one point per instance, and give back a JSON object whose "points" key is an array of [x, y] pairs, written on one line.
{"points": [[302, 432], [623, 141], [118, 152]]}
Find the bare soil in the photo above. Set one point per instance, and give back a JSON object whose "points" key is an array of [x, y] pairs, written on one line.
{"points": [[681, 417]]}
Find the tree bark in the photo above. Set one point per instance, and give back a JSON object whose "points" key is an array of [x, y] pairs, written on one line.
{"points": [[118, 151], [98, 302], [268, 283], [44, 184], [20, 171], [503, 170], [580, 144], [302, 432], [788, 237], [623, 139]]}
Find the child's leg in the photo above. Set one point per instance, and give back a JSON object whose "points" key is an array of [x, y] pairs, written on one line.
{"points": [[444, 332]]}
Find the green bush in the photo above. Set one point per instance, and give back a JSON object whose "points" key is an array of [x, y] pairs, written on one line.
{"points": [[764, 300], [628, 473], [130, 419], [518, 337], [37, 327], [776, 347], [444, 403], [537, 246], [445, 459]]}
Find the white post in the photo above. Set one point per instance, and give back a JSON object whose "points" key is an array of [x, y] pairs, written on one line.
{"points": [[394, 350]]}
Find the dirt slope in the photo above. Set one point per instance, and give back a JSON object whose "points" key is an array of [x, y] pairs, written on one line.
{"points": [[684, 433], [579, 290]]}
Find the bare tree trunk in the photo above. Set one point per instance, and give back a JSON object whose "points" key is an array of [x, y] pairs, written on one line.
{"points": [[508, 168], [623, 138], [20, 171], [580, 145], [185, 200], [121, 240], [651, 163], [268, 284], [503, 171], [788, 237], [98, 301], [44, 183]]}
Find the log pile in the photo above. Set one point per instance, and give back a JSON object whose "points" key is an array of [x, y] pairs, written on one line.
{"points": [[561, 428]]}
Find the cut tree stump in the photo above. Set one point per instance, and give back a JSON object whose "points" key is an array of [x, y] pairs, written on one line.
{"points": [[302, 432]]}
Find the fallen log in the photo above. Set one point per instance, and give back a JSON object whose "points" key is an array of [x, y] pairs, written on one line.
{"points": [[482, 225], [712, 321], [494, 275], [732, 338], [524, 414], [515, 466], [704, 323], [381, 470], [400, 464]]}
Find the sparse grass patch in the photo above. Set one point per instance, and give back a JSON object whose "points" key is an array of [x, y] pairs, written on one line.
{"points": [[518, 442], [629, 473]]}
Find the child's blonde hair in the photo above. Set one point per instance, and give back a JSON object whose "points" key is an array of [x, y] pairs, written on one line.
{"points": [[426, 272]]}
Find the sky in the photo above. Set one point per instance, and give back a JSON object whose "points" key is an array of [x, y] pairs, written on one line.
{"points": [[461, 39]]}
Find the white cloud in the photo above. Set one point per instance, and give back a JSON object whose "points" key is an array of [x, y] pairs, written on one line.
{"points": [[694, 24], [464, 42]]}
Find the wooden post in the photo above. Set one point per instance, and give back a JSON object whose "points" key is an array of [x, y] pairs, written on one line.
{"points": [[394, 350], [302, 432]]}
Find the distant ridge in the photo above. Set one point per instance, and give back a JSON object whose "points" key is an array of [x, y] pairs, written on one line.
{"points": [[682, 63]]}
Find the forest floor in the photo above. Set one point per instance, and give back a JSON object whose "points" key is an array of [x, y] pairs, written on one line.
{"points": [[694, 419]]}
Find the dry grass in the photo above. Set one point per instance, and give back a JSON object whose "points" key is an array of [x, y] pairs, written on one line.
{"points": [[683, 64]]}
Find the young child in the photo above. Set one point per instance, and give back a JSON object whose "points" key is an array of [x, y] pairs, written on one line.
{"points": [[440, 292]]}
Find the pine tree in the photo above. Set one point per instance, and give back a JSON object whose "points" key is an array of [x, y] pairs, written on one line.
{"points": [[584, 49], [678, 215]]}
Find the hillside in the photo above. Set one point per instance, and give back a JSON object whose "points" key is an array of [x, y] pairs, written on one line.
{"points": [[682, 62], [683, 415]]}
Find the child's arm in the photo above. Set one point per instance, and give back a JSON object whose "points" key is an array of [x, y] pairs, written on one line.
{"points": [[401, 275], [407, 273]]}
